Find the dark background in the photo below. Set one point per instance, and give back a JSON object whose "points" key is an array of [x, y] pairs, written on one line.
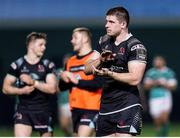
{"points": [[158, 40], [155, 23]]}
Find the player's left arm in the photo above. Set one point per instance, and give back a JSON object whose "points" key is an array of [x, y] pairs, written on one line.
{"points": [[91, 85], [134, 76], [172, 82], [136, 66], [49, 86]]}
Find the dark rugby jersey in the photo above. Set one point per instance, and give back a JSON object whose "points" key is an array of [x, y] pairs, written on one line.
{"points": [[37, 100], [118, 95]]}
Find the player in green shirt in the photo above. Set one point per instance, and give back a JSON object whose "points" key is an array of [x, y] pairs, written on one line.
{"points": [[63, 105], [160, 81]]}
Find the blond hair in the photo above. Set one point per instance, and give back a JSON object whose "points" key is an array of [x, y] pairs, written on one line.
{"points": [[83, 29]]}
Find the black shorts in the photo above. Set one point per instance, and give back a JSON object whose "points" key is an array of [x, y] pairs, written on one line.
{"points": [[40, 121], [84, 117], [128, 121]]}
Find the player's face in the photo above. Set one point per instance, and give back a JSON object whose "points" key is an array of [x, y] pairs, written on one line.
{"points": [[39, 47], [77, 41], [113, 25], [159, 62]]}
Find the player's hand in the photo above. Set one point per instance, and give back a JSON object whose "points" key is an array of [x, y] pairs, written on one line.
{"points": [[72, 78], [27, 90], [64, 76], [102, 71], [107, 55], [27, 79], [162, 82], [68, 77]]}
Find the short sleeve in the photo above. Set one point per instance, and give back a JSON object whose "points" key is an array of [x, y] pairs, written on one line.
{"points": [[102, 41], [51, 68], [149, 74], [13, 69], [171, 74], [138, 52]]}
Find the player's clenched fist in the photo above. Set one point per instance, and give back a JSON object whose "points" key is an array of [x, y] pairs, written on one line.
{"points": [[68, 77], [27, 90], [107, 55]]}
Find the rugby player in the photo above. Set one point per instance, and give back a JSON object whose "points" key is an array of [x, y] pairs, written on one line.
{"points": [[85, 90], [32, 78], [121, 60], [160, 80]]}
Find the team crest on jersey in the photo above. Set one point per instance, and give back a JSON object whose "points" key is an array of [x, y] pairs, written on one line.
{"points": [[122, 51], [41, 68]]}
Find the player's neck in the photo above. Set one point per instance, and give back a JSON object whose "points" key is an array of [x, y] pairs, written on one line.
{"points": [[85, 50], [123, 36], [32, 59]]}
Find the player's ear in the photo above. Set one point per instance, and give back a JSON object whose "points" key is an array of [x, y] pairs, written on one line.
{"points": [[85, 39], [123, 24]]}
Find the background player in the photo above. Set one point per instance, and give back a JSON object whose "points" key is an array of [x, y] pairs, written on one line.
{"points": [[64, 113], [160, 81], [32, 79], [85, 90]]}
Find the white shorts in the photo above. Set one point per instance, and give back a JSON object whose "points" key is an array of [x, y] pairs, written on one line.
{"points": [[159, 105], [64, 110]]}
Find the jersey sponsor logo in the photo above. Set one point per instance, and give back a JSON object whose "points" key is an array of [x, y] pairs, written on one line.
{"points": [[41, 68], [24, 69], [138, 46], [77, 68], [142, 57], [116, 68]]}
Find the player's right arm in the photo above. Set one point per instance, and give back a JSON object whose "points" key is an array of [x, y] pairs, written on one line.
{"points": [[98, 56], [9, 88], [97, 59], [94, 60], [64, 82]]}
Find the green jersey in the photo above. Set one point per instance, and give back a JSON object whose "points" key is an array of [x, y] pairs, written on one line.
{"points": [[165, 74]]}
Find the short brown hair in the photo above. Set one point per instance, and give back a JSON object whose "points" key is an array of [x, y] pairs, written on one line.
{"points": [[35, 35], [120, 12]]}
